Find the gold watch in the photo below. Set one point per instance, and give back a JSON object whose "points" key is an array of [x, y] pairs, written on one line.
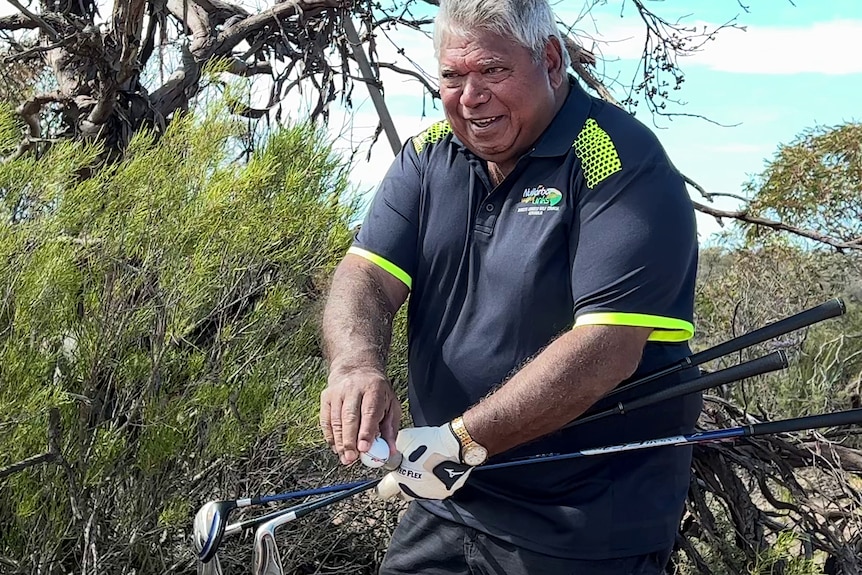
{"points": [[471, 452]]}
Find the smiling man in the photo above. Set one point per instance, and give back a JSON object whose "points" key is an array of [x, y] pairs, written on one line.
{"points": [[548, 248]]}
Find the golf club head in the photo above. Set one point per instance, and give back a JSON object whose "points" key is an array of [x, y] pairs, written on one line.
{"points": [[265, 557], [202, 522], [209, 525]]}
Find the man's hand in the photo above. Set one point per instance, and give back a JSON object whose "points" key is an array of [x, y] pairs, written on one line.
{"points": [[356, 407], [431, 467]]}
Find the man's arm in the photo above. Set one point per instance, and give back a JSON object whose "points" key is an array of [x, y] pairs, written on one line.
{"points": [[557, 385], [359, 402]]}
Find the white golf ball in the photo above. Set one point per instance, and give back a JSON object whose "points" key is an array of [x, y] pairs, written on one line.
{"points": [[377, 455]]}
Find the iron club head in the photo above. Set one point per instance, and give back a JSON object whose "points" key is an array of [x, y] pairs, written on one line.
{"points": [[266, 559]]}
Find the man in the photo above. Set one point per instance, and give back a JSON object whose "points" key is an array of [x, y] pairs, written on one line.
{"points": [[549, 250]]}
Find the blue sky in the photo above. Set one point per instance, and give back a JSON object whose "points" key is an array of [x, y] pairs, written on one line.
{"points": [[793, 68]]}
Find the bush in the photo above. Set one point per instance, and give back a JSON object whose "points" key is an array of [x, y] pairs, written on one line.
{"points": [[164, 309]]}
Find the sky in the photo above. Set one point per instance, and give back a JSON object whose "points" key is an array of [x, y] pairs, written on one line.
{"points": [[795, 66]]}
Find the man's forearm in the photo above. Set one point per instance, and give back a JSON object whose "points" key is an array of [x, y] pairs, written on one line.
{"points": [[357, 320], [557, 386]]}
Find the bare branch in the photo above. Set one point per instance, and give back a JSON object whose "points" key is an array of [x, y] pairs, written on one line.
{"points": [[229, 38], [21, 22], [372, 83], [53, 453], [127, 25], [744, 216], [46, 28], [435, 93]]}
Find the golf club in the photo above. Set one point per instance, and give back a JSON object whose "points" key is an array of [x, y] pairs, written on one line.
{"points": [[267, 560], [212, 566], [218, 527], [221, 509]]}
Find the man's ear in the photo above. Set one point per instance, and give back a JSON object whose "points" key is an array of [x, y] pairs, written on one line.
{"points": [[554, 61]]}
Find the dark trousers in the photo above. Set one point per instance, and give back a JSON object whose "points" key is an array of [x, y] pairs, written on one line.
{"points": [[424, 544]]}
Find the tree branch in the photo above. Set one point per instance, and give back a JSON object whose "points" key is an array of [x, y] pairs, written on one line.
{"points": [[744, 216], [21, 22], [228, 39], [46, 28], [127, 24], [53, 453]]}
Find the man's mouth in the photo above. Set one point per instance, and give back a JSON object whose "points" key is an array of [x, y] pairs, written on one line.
{"points": [[484, 122]]}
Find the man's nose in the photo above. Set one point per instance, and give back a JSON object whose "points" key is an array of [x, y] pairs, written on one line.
{"points": [[475, 92]]}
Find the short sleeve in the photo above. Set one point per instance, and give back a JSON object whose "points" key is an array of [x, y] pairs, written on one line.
{"points": [[388, 234], [634, 253]]}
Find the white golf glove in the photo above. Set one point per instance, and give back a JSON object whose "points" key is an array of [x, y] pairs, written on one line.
{"points": [[430, 468]]}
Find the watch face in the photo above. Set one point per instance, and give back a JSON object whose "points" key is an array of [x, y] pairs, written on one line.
{"points": [[475, 455]]}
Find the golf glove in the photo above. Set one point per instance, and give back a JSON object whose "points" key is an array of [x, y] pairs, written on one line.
{"points": [[430, 468]]}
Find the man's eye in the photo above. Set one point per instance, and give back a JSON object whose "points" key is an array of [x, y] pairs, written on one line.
{"points": [[494, 70]]}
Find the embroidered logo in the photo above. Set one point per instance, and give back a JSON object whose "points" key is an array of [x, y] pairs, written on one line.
{"points": [[536, 201]]}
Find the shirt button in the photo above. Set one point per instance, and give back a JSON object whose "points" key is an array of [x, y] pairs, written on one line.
{"points": [[489, 207]]}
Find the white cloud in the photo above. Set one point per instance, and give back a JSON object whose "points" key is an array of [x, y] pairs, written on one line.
{"points": [[831, 48]]}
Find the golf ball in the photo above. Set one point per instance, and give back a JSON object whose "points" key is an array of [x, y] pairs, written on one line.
{"points": [[377, 455]]}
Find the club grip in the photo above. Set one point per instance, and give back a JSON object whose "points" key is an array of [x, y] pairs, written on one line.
{"points": [[765, 364], [836, 419], [826, 310]]}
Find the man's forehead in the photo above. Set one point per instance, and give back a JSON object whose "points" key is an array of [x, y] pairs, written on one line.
{"points": [[483, 49]]}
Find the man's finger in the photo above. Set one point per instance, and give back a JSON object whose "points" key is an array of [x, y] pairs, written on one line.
{"points": [[335, 423], [325, 419], [391, 424], [369, 424], [350, 416]]}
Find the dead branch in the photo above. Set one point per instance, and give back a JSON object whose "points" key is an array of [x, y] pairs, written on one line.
{"points": [[744, 216], [53, 453], [434, 92], [41, 23]]}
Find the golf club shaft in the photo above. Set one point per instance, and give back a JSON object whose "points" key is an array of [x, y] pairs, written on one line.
{"points": [[339, 492], [264, 499], [836, 419], [824, 311], [765, 364]]}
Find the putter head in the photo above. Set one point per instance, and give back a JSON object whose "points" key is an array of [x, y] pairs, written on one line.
{"points": [[209, 525]]}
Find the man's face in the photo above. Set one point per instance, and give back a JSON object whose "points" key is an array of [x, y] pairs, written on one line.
{"points": [[497, 98]]}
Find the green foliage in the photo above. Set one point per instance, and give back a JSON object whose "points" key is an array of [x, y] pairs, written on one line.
{"points": [[168, 306], [784, 557], [814, 182]]}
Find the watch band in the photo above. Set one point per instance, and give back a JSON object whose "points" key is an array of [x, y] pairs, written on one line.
{"points": [[461, 432], [472, 453]]}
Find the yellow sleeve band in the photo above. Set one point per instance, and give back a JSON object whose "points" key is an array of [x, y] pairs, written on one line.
{"points": [[666, 329], [383, 263]]}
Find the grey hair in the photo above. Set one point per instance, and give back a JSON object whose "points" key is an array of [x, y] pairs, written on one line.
{"points": [[531, 23]]}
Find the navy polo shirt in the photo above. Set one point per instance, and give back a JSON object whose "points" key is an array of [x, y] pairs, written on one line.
{"points": [[593, 226]]}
